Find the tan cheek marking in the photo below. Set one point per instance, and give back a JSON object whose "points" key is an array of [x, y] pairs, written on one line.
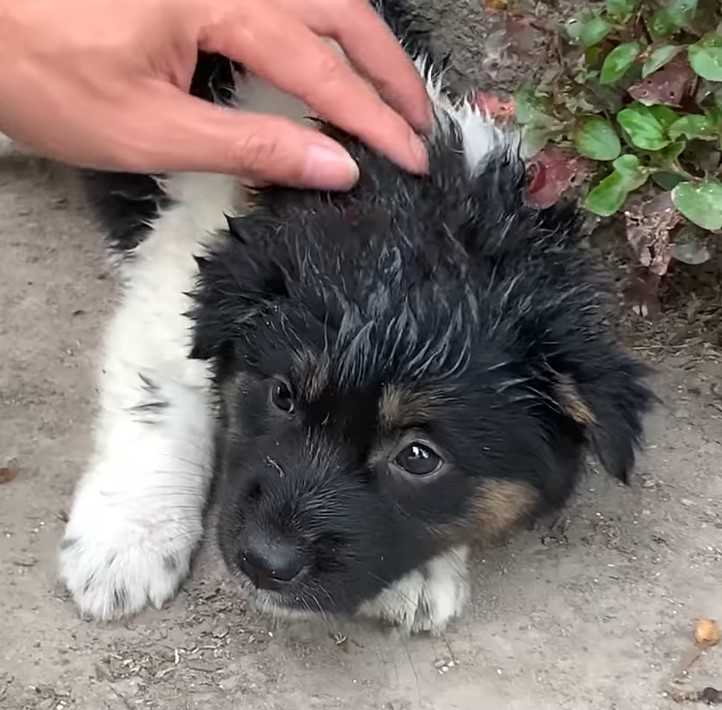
{"points": [[499, 506], [496, 509], [401, 408], [572, 403]]}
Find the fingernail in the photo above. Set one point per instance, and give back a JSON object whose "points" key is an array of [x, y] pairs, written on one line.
{"points": [[419, 153], [329, 168]]}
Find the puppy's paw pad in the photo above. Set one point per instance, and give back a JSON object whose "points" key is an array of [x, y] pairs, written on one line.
{"points": [[110, 580]]}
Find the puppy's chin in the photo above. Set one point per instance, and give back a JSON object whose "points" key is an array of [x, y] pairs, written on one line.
{"points": [[276, 605]]}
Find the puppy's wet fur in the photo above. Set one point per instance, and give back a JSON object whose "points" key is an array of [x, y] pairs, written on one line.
{"points": [[437, 309], [392, 373]]}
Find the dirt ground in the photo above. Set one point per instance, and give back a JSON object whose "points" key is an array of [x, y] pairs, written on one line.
{"points": [[593, 612]]}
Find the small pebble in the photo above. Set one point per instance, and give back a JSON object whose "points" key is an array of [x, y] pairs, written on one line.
{"points": [[706, 633]]}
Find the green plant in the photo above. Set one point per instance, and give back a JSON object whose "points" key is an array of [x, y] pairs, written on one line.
{"points": [[638, 93]]}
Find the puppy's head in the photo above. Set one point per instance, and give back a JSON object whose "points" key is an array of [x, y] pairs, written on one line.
{"points": [[401, 369]]}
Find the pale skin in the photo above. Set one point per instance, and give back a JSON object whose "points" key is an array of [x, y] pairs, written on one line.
{"points": [[103, 84]]}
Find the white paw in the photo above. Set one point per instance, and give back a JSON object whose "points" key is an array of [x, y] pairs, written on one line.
{"points": [[114, 566], [426, 599]]}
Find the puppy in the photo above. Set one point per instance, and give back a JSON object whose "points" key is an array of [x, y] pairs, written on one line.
{"points": [[379, 378]]}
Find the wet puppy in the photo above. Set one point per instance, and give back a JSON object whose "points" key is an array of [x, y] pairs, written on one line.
{"points": [[381, 377]]}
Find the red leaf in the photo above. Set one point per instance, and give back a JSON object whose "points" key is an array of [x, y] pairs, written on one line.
{"points": [[552, 172], [668, 86]]}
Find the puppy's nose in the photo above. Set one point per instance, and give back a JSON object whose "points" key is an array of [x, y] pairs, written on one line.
{"points": [[271, 563]]}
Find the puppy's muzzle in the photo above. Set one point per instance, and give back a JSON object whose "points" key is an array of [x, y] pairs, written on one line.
{"points": [[271, 562]]}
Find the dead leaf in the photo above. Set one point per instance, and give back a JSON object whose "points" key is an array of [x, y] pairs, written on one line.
{"points": [[7, 475], [495, 48], [668, 86], [552, 172], [709, 696], [706, 633], [495, 5], [642, 294], [650, 217], [522, 34]]}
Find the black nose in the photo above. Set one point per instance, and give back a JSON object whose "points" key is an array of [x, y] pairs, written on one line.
{"points": [[270, 562]]}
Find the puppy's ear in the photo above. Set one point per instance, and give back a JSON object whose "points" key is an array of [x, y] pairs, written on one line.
{"points": [[235, 284], [607, 399]]}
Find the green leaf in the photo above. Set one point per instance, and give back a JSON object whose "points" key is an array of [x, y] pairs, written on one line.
{"points": [[690, 245], [593, 58], [621, 9], [714, 114], [672, 152], [667, 181], [524, 108], [644, 129], [659, 57], [535, 138], [596, 138], [633, 172], [618, 61], [700, 202], [673, 17], [611, 193], [682, 11], [528, 108], [705, 57], [693, 126], [593, 31], [573, 28], [665, 115]]}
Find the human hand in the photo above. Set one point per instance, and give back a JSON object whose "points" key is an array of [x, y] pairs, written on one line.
{"points": [[103, 84]]}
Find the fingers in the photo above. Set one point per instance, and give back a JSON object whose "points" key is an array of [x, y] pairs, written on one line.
{"points": [[373, 49], [179, 132], [284, 51]]}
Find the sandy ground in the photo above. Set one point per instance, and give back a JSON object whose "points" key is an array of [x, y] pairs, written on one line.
{"points": [[595, 611]]}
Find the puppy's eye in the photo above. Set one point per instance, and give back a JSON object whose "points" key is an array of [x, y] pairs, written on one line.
{"points": [[282, 397], [418, 459]]}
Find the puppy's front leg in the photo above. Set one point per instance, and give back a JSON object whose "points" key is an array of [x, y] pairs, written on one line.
{"points": [[137, 515], [138, 512], [426, 599]]}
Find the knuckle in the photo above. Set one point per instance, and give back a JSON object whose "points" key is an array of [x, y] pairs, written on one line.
{"points": [[255, 152], [331, 68]]}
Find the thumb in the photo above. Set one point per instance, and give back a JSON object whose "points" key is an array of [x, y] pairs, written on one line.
{"points": [[179, 132]]}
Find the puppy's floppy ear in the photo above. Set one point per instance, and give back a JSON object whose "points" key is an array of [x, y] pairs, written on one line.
{"points": [[607, 398], [235, 283]]}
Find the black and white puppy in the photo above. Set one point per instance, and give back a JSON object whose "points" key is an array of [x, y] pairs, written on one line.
{"points": [[379, 377]]}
